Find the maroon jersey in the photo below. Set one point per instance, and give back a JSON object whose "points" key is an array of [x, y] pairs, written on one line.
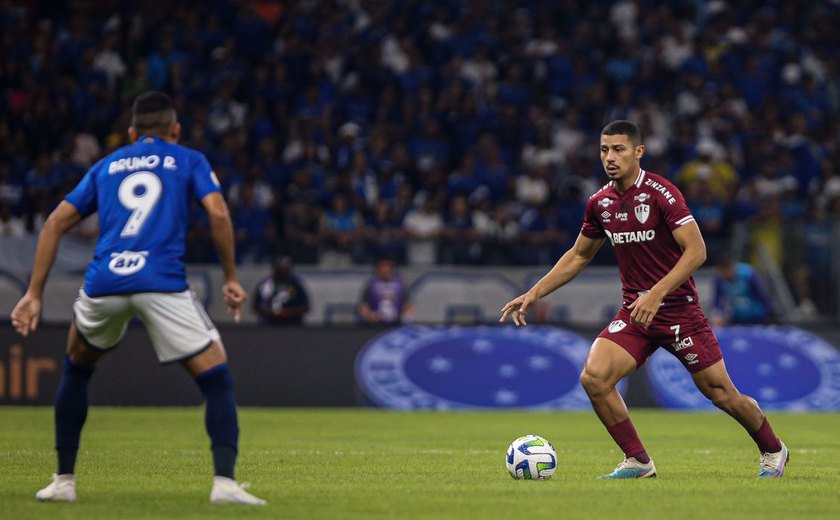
{"points": [[639, 223]]}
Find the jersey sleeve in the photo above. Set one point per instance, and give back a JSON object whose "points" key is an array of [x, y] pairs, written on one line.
{"points": [[677, 214], [83, 196], [204, 179], [591, 228]]}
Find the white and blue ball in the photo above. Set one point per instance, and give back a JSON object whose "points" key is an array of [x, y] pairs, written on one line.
{"points": [[531, 457]]}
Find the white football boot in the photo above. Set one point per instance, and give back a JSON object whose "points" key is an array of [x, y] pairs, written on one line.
{"points": [[61, 489], [228, 491]]}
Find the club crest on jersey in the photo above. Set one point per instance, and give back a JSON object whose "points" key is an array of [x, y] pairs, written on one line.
{"points": [[127, 262], [616, 326], [642, 197], [642, 212], [604, 203]]}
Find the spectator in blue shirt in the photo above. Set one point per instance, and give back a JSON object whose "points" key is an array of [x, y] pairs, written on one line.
{"points": [[740, 296]]}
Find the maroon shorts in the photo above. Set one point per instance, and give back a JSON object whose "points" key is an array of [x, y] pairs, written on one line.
{"points": [[682, 329]]}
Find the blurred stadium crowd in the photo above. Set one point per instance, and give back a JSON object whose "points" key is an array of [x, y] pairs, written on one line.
{"points": [[455, 132]]}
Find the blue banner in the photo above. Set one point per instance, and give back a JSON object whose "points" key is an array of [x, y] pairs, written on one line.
{"points": [[783, 367], [482, 367]]}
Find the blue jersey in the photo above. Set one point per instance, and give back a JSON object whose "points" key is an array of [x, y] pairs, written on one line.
{"points": [[143, 193]]}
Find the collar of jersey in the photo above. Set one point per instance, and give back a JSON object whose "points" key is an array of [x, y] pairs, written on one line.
{"points": [[142, 138], [640, 177]]}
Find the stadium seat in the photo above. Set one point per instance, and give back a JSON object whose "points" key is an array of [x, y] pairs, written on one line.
{"points": [[464, 314], [340, 314]]}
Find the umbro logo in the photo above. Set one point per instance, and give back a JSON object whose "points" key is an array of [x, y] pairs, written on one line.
{"points": [[606, 215], [691, 358], [616, 326]]}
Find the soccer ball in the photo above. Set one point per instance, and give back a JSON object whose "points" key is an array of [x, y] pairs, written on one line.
{"points": [[531, 457]]}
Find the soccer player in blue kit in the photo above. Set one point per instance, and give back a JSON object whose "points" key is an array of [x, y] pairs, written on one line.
{"points": [[143, 193], [658, 246]]}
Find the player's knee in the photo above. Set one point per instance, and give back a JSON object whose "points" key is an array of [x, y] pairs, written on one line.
{"points": [[79, 353], [724, 396], [722, 402], [722, 399], [594, 384]]}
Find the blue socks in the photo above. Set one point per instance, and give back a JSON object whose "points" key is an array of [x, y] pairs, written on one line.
{"points": [[220, 417], [71, 406]]}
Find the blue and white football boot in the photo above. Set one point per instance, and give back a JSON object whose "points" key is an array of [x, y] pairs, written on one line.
{"points": [[772, 465], [632, 468]]}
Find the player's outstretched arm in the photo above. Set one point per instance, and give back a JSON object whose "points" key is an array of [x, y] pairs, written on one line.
{"points": [[690, 240], [26, 313], [564, 271], [221, 229]]}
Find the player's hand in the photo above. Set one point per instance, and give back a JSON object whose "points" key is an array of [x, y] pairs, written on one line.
{"points": [[234, 296], [644, 308], [518, 308], [26, 314]]}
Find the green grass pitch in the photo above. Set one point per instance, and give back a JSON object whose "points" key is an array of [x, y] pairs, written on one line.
{"points": [[361, 463]]}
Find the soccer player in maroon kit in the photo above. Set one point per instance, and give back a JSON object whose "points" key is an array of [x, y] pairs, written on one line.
{"points": [[658, 246]]}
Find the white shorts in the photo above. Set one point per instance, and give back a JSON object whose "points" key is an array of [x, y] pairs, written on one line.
{"points": [[176, 322]]}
